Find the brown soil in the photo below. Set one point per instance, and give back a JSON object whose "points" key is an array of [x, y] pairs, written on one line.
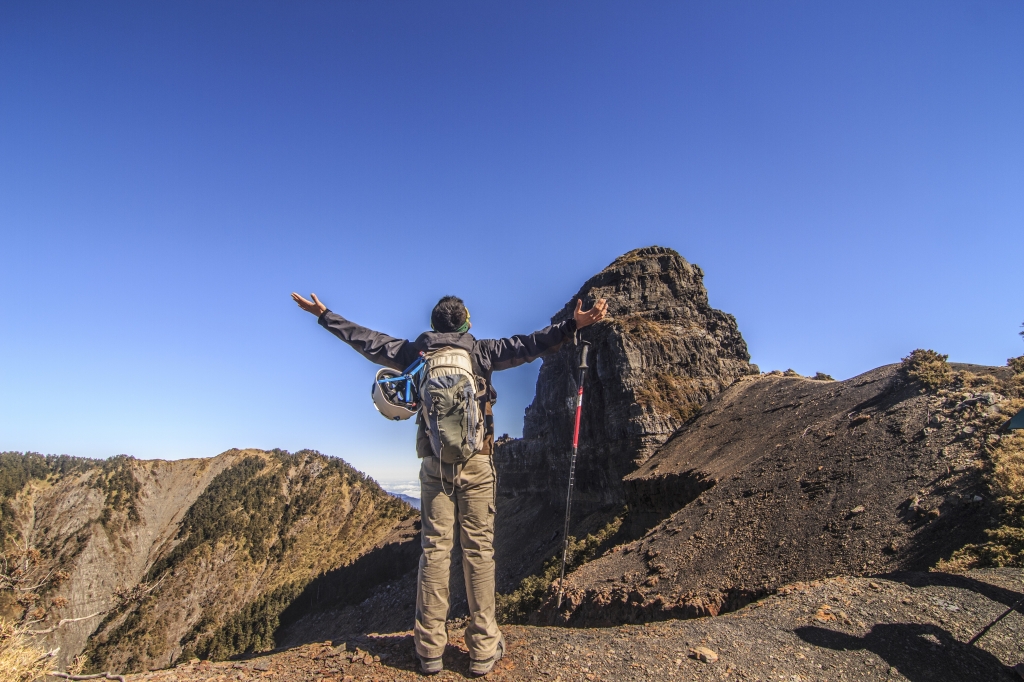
{"points": [[782, 479], [914, 627]]}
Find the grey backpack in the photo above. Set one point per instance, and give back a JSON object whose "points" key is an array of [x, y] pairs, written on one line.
{"points": [[449, 398]]}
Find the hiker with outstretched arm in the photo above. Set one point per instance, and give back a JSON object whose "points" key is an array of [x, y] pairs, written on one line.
{"points": [[456, 471]]}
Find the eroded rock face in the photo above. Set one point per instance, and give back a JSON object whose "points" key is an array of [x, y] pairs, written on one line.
{"points": [[69, 519], [663, 353], [200, 556]]}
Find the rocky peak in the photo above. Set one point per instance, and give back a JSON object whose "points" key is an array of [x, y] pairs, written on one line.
{"points": [[662, 353]]}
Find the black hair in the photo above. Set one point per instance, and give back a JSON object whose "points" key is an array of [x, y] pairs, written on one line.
{"points": [[448, 315]]}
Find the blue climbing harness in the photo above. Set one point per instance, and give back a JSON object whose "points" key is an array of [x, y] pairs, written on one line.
{"points": [[409, 390]]}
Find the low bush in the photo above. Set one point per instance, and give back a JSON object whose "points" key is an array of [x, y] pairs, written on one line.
{"points": [[1004, 545], [1016, 364], [533, 590], [928, 367], [20, 659]]}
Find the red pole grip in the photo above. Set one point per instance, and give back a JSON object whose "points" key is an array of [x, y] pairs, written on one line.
{"points": [[576, 430]]}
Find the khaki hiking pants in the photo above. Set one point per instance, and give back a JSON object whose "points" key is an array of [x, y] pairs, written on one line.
{"points": [[463, 495]]}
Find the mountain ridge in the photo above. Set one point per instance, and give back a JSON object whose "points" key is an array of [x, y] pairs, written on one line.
{"points": [[169, 553], [703, 485]]}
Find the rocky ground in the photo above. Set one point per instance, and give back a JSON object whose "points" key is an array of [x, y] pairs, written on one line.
{"points": [[782, 479], [912, 626]]}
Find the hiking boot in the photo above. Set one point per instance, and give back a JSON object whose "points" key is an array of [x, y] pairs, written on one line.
{"points": [[430, 666], [481, 668]]}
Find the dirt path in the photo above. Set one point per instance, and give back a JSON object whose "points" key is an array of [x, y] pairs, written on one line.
{"points": [[913, 626]]}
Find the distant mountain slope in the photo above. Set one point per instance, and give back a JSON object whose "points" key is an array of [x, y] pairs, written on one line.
{"points": [[187, 556], [101, 522], [413, 502]]}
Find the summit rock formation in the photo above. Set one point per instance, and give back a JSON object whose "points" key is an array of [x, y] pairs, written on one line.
{"points": [[662, 354]]}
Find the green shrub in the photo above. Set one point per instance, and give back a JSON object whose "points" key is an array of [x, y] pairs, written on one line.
{"points": [[17, 469], [533, 590], [1016, 364], [243, 502], [821, 376], [928, 367], [120, 487], [1004, 545]]}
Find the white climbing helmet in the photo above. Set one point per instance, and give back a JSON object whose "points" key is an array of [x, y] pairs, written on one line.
{"points": [[389, 397]]}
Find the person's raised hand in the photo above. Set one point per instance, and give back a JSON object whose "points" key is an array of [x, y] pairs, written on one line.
{"points": [[314, 307], [586, 318]]}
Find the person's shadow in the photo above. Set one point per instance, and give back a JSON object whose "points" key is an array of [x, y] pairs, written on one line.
{"points": [[920, 652]]}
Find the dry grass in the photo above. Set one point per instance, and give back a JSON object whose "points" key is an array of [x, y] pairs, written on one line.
{"points": [[928, 367], [628, 257], [1005, 543], [1008, 464], [642, 328], [984, 382], [534, 589], [20, 660], [1016, 364], [670, 395], [637, 255]]}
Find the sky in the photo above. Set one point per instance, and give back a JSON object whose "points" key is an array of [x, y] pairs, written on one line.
{"points": [[849, 175]]}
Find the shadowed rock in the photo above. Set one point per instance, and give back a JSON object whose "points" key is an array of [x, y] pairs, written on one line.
{"points": [[663, 353], [782, 478]]}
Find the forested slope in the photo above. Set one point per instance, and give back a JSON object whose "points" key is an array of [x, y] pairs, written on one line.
{"points": [[191, 556]]}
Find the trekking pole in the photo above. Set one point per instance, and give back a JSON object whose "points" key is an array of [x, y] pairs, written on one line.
{"points": [[572, 468]]}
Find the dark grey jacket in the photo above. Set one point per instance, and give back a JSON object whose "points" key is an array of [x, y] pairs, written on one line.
{"points": [[488, 355]]}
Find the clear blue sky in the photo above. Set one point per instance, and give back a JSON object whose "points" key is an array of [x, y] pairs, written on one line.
{"points": [[849, 175]]}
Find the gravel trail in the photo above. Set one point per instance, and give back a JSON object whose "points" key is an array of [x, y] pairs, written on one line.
{"points": [[912, 626]]}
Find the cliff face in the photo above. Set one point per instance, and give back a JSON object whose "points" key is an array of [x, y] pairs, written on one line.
{"points": [[660, 356], [102, 523], [199, 555], [663, 353]]}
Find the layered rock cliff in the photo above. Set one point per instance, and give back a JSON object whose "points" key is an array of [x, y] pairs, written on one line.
{"points": [[662, 353]]}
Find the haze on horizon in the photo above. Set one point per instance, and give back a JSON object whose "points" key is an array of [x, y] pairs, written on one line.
{"points": [[848, 175]]}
